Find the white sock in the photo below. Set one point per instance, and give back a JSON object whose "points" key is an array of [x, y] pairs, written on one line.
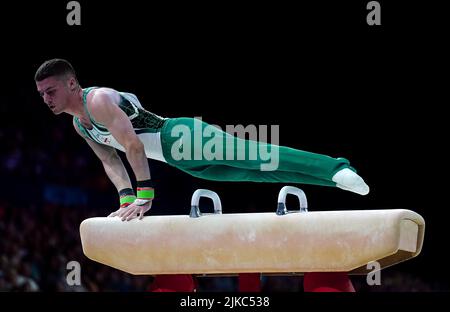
{"points": [[348, 180]]}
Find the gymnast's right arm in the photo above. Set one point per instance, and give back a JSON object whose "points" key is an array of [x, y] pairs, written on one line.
{"points": [[113, 165]]}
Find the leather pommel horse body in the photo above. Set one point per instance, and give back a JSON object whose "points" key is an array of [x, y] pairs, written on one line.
{"points": [[281, 242]]}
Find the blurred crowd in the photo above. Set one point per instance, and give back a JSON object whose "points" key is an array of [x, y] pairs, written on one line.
{"points": [[45, 196], [51, 184]]}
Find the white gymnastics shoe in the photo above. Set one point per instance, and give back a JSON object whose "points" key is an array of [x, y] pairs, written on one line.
{"points": [[348, 180]]}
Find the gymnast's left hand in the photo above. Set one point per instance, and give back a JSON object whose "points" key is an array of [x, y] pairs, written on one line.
{"points": [[134, 210]]}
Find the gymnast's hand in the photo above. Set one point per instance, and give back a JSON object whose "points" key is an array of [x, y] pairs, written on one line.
{"points": [[132, 211]]}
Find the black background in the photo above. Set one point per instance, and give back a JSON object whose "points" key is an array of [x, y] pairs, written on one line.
{"points": [[334, 85]]}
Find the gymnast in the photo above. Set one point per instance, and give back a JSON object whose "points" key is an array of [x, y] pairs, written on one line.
{"points": [[108, 120]]}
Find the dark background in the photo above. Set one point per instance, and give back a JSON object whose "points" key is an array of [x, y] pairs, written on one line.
{"points": [[334, 85]]}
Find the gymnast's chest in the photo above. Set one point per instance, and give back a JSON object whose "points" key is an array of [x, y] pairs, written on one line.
{"points": [[101, 136]]}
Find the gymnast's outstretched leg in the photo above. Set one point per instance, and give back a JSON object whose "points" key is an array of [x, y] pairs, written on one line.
{"points": [[223, 157]]}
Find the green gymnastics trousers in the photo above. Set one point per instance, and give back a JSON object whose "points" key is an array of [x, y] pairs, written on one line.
{"points": [[206, 152]]}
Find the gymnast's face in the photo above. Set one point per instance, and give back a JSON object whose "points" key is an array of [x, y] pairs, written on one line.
{"points": [[56, 92]]}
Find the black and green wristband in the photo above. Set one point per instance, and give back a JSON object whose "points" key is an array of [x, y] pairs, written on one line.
{"points": [[145, 190], [127, 197]]}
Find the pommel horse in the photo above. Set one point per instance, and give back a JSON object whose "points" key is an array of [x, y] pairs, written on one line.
{"points": [[282, 242]]}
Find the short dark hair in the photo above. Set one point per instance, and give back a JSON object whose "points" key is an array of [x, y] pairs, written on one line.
{"points": [[54, 67]]}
